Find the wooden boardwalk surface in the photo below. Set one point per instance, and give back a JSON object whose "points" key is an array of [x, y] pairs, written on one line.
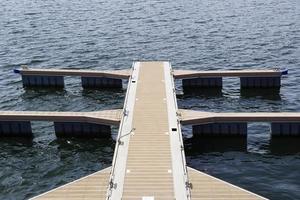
{"points": [[149, 161], [206, 187], [109, 117], [199, 117], [181, 74], [94, 186], [122, 74]]}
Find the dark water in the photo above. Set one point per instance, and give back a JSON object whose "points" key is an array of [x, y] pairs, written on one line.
{"points": [[102, 34]]}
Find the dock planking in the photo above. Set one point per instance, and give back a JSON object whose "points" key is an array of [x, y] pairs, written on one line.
{"points": [[149, 160]]}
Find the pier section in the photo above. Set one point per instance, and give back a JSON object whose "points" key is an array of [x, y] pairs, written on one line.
{"points": [[149, 160], [67, 124], [192, 79], [55, 77], [234, 124], [155, 167], [91, 187]]}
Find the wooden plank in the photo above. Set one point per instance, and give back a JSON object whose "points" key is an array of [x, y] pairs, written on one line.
{"points": [[122, 74], [206, 187], [199, 117], [182, 74], [107, 117], [92, 187], [150, 121], [144, 163]]}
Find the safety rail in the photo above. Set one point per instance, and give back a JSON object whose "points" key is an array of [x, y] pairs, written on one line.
{"points": [[118, 143], [185, 168]]}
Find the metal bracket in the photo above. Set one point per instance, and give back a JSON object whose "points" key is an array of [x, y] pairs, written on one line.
{"points": [[188, 185], [120, 142], [112, 185], [125, 112]]}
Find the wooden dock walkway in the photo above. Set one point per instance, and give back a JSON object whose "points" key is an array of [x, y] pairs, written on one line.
{"points": [[108, 117], [122, 74], [94, 187], [149, 161], [182, 74], [200, 117], [91, 187], [151, 170]]}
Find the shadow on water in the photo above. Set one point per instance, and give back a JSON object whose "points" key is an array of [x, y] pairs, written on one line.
{"points": [[50, 89], [16, 141], [198, 145], [269, 94], [32, 92], [109, 98], [201, 93], [284, 145], [86, 144], [89, 92]]}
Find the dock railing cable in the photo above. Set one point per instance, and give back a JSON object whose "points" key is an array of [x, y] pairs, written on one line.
{"points": [[118, 143], [184, 165]]}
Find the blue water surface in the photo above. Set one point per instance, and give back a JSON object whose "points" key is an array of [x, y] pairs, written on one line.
{"points": [[192, 34]]}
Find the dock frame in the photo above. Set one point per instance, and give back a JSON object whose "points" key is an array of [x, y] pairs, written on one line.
{"points": [[149, 160]]}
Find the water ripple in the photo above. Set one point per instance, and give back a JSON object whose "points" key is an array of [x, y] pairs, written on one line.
{"points": [[209, 34]]}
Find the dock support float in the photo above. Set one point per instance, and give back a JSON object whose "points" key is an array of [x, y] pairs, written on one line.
{"points": [[43, 81], [260, 82], [209, 123], [55, 77], [66, 124], [101, 82], [193, 83], [15, 129], [240, 129], [81, 129], [285, 129], [192, 79], [220, 129]]}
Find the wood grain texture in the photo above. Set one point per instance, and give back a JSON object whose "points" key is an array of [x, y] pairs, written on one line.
{"points": [[92, 187], [149, 159], [122, 74], [205, 187], [149, 155], [182, 74], [199, 117], [107, 117]]}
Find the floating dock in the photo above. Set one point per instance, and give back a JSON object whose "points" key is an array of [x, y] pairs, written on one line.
{"points": [[149, 160]]}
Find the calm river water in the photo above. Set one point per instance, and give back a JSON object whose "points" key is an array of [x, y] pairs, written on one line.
{"points": [[110, 34]]}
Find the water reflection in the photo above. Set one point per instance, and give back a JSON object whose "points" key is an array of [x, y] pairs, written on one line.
{"points": [[270, 94], [88, 144], [12, 142], [204, 144], [202, 92]]}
